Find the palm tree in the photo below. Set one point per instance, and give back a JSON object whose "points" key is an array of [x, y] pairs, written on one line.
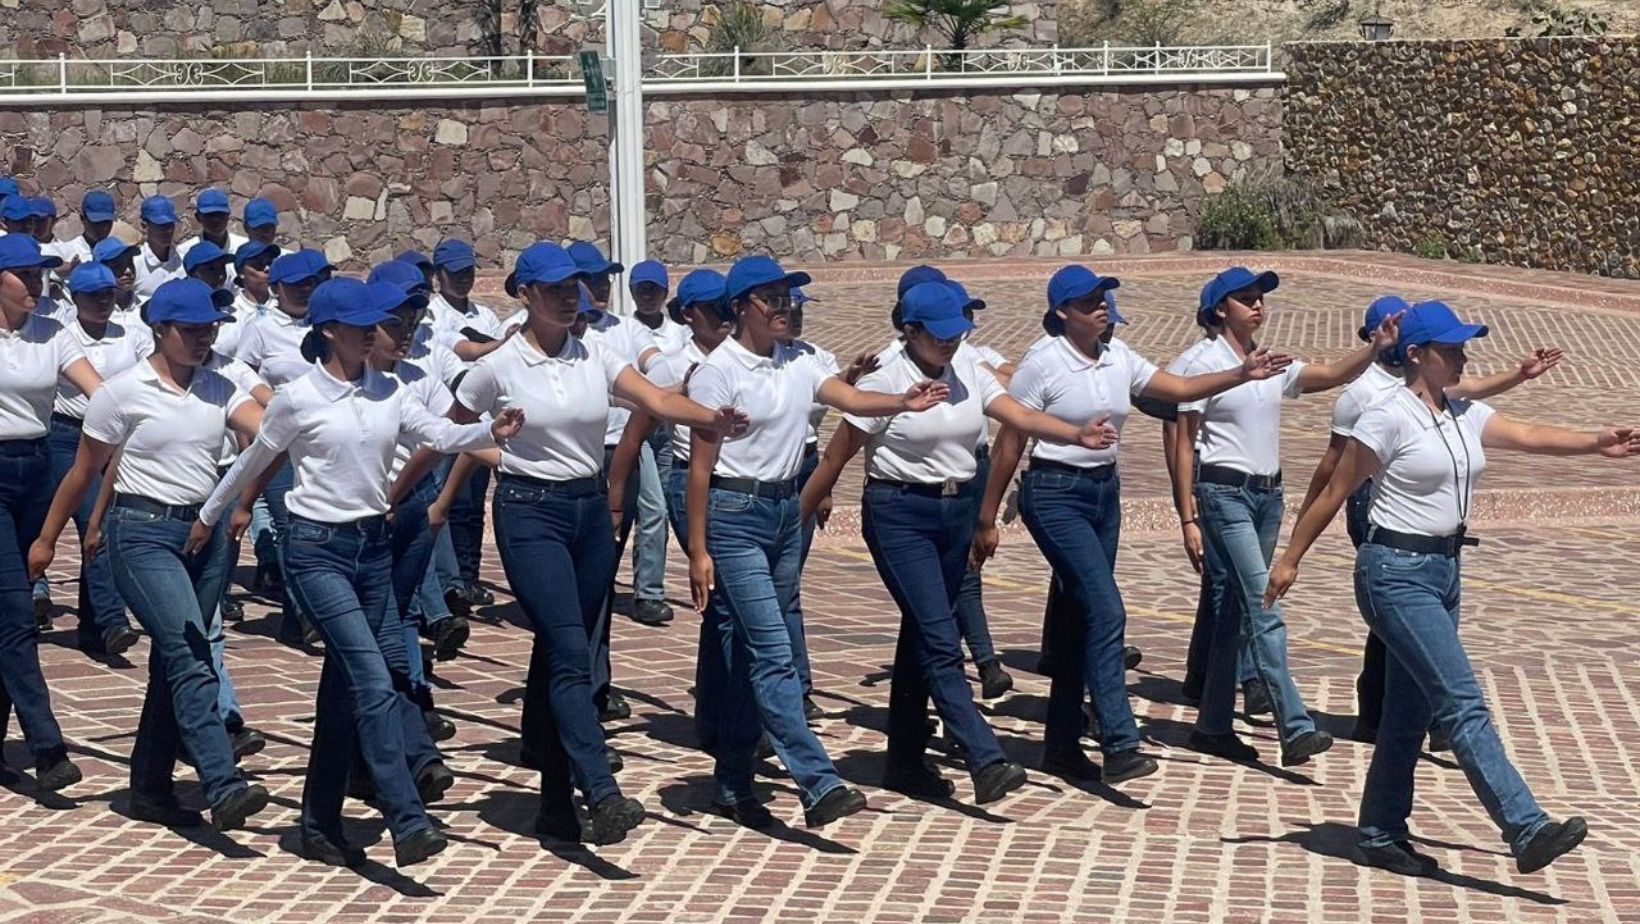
{"points": [[957, 22]]}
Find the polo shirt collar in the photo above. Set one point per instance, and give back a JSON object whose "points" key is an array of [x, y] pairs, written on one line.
{"points": [[534, 357], [746, 357], [1076, 360], [332, 388]]}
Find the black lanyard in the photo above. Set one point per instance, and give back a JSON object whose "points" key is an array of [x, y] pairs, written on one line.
{"points": [[1463, 483]]}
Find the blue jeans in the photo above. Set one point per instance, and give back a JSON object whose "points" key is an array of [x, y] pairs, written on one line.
{"points": [[1241, 526], [649, 548], [971, 619], [756, 545], [428, 606], [1369, 684], [466, 521], [293, 619], [412, 545], [1411, 602], [174, 596], [602, 673], [227, 701], [100, 607], [710, 671], [920, 544], [796, 625], [1076, 520], [25, 496], [341, 574], [1210, 605], [558, 550]]}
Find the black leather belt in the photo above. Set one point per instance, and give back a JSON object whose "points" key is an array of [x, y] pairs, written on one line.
{"points": [[1095, 472], [950, 487], [71, 421], [1449, 546], [1225, 475], [185, 512], [568, 486], [773, 490]]}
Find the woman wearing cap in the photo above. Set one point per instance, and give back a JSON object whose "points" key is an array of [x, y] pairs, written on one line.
{"points": [[553, 527], [1423, 450], [159, 261], [1229, 497], [167, 415], [121, 259], [35, 354], [261, 220], [918, 523], [1070, 501], [340, 425], [1382, 379], [97, 215], [212, 212], [253, 293], [208, 263], [745, 536]]}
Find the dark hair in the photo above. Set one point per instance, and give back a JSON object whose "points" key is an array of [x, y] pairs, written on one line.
{"points": [[1208, 318]]}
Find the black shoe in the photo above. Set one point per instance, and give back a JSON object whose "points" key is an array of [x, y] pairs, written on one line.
{"points": [[993, 680], [1552, 840], [811, 710], [1364, 733], [438, 727], [615, 708], [1228, 746], [841, 802], [1304, 746], [1070, 765], [1255, 698], [310, 637], [456, 600], [764, 748], [997, 780], [617, 763], [418, 846], [164, 811], [480, 595], [433, 782], [231, 811], [1128, 765], [558, 826], [1439, 742], [611, 819], [651, 612], [42, 614], [1132, 656], [233, 610], [748, 813], [246, 741], [55, 772], [449, 634], [1400, 858], [8, 776], [321, 849], [118, 640], [919, 780]]}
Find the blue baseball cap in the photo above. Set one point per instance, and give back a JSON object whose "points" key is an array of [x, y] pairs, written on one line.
{"points": [[401, 274], [700, 286], [800, 297], [586, 306], [1231, 280], [43, 207], [1072, 282], [212, 202], [202, 253], [112, 248], [454, 255], [17, 208], [590, 259], [1381, 308], [90, 277], [917, 275], [97, 205], [21, 251], [969, 303], [1434, 322], [750, 272], [8, 186], [542, 261], [415, 258], [344, 300], [187, 301], [298, 266], [390, 296], [249, 251], [158, 210], [261, 213], [936, 307], [649, 271]]}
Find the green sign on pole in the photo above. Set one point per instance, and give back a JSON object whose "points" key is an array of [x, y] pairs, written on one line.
{"points": [[592, 73]]}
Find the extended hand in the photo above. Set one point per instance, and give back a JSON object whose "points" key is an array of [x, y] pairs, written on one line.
{"points": [[822, 512], [729, 421], [1099, 434], [238, 523], [863, 365], [507, 423], [1388, 332], [1539, 361], [1193, 545], [198, 535], [1263, 364], [926, 394], [1619, 442]]}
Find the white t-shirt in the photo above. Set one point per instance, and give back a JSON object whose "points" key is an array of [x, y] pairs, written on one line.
{"points": [[430, 390], [118, 350], [775, 393], [75, 249], [446, 321], [152, 272], [933, 445], [1063, 382], [566, 402], [272, 345], [1428, 463], [172, 438], [966, 352], [672, 368], [245, 309], [32, 359], [245, 379], [235, 241], [1369, 388], [1241, 427], [626, 339], [817, 411]]}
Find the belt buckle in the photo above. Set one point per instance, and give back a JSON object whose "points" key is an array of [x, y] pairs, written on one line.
{"points": [[949, 487]]}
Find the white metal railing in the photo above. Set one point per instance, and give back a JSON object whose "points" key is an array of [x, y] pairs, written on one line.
{"points": [[94, 76]]}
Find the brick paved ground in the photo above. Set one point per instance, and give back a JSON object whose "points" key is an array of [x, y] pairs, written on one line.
{"points": [[1547, 622]]}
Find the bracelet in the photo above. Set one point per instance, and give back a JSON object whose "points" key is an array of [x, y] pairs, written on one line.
{"points": [[1187, 522]]}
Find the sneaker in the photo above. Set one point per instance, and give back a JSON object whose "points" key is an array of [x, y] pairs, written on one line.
{"points": [[1400, 858], [456, 601], [1550, 842], [231, 811], [997, 780], [811, 710], [247, 741], [1228, 746], [1070, 765], [839, 803], [233, 609], [651, 612], [919, 780], [1128, 765], [1255, 698], [616, 762], [1304, 746], [118, 640], [433, 782], [42, 613], [163, 810], [993, 679], [748, 813], [330, 852], [438, 727], [419, 846], [55, 772], [1132, 657], [615, 708], [610, 820], [449, 634]]}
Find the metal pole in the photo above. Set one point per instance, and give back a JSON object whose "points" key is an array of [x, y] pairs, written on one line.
{"points": [[310, 71], [628, 217], [62, 73]]}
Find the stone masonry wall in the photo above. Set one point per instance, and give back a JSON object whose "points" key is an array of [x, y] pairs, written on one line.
{"points": [[846, 176], [1512, 151]]}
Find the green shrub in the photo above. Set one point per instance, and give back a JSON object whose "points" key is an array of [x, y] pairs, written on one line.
{"points": [[1272, 212], [740, 25], [1236, 220], [1432, 246]]}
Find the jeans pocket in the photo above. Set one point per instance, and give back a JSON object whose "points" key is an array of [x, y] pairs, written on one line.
{"points": [[1400, 560], [310, 533], [1049, 482], [131, 515], [729, 501]]}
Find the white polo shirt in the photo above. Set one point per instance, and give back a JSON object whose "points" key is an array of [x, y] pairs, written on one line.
{"points": [[245, 379], [1428, 462], [152, 272], [1368, 388], [32, 359], [245, 309], [965, 352], [272, 345], [341, 437], [670, 369], [118, 350], [1241, 427], [426, 387], [1063, 382], [172, 437], [565, 400], [628, 340], [817, 411], [775, 393], [235, 241], [934, 445], [75, 249], [446, 321], [669, 336]]}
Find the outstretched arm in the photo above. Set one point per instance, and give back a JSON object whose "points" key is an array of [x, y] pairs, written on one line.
{"points": [[1535, 364], [1544, 440]]}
